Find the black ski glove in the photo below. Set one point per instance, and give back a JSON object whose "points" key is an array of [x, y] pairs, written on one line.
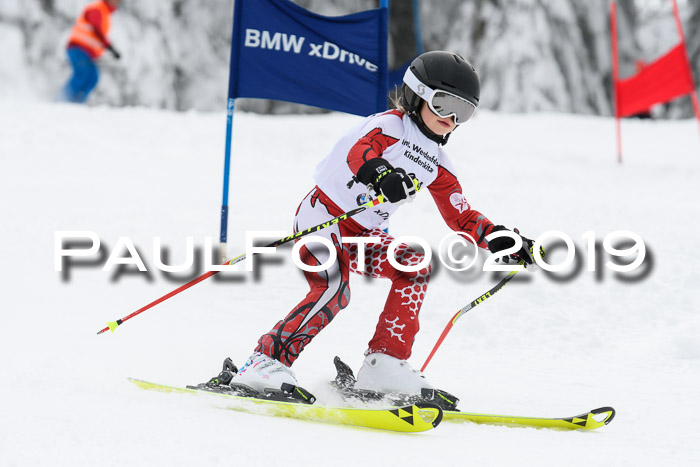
{"points": [[114, 52], [525, 253], [394, 183]]}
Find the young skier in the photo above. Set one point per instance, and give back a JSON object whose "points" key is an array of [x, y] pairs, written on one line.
{"points": [[389, 154]]}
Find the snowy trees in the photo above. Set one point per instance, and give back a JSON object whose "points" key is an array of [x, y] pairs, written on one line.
{"points": [[533, 55]]}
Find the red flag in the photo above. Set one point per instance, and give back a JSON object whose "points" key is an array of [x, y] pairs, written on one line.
{"points": [[661, 81], [665, 79]]}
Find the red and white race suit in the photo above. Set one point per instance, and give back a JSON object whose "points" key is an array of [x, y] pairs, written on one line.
{"points": [[393, 136]]}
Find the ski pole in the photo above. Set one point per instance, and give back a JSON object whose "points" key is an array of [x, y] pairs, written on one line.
{"points": [[112, 325], [502, 283]]}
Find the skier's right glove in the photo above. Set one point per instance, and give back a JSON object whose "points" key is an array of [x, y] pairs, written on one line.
{"points": [[114, 52], [394, 183]]}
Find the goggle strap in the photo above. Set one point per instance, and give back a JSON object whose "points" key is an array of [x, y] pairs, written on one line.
{"points": [[417, 85]]}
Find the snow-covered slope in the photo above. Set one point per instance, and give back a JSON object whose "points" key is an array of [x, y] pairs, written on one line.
{"points": [[540, 347]]}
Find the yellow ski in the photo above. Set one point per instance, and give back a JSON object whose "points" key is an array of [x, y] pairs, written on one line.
{"points": [[411, 418], [588, 421]]}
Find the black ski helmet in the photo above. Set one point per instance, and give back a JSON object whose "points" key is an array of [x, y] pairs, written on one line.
{"points": [[441, 70]]}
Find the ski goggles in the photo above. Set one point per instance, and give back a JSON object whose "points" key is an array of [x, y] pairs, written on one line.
{"points": [[442, 103]]}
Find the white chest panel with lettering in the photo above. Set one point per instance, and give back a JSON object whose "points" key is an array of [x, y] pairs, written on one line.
{"points": [[412, 151]]}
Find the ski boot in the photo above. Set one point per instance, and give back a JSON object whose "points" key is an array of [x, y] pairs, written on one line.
{"points": [[231, 381], [345, 383]]}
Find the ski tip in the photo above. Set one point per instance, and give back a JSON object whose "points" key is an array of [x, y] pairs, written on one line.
{"points": [[608, 411], [592, 420], [112, 325]]}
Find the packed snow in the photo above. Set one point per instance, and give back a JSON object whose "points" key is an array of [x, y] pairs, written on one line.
{"points": [[546, 345]]}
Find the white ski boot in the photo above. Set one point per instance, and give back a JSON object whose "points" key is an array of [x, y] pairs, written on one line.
{"points": [[261, 372], [386, 374]]}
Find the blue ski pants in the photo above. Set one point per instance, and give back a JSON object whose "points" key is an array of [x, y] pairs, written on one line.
{"points": [[84, 78]]}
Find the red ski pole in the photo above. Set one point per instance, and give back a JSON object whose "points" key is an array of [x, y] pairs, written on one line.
{"points": [[112, 325], [471, 305]]}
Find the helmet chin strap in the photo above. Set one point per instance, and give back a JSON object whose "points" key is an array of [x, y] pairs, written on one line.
{"points": [[441, 140]]}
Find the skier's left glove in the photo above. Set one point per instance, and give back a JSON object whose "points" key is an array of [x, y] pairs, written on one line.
{"points": [[524, 255]]}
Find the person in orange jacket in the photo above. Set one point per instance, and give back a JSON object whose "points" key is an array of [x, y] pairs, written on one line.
{"points": [[87, 42]]}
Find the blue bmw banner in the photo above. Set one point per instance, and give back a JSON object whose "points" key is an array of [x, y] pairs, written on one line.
{"points": [[282, 51]]}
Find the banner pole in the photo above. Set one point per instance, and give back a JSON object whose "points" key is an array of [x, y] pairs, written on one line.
{"points": [[615, 78], [223, 236], [383, 96], [417, 27], [696, 105], [693, 93], [677, 17], [230, 104]]}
